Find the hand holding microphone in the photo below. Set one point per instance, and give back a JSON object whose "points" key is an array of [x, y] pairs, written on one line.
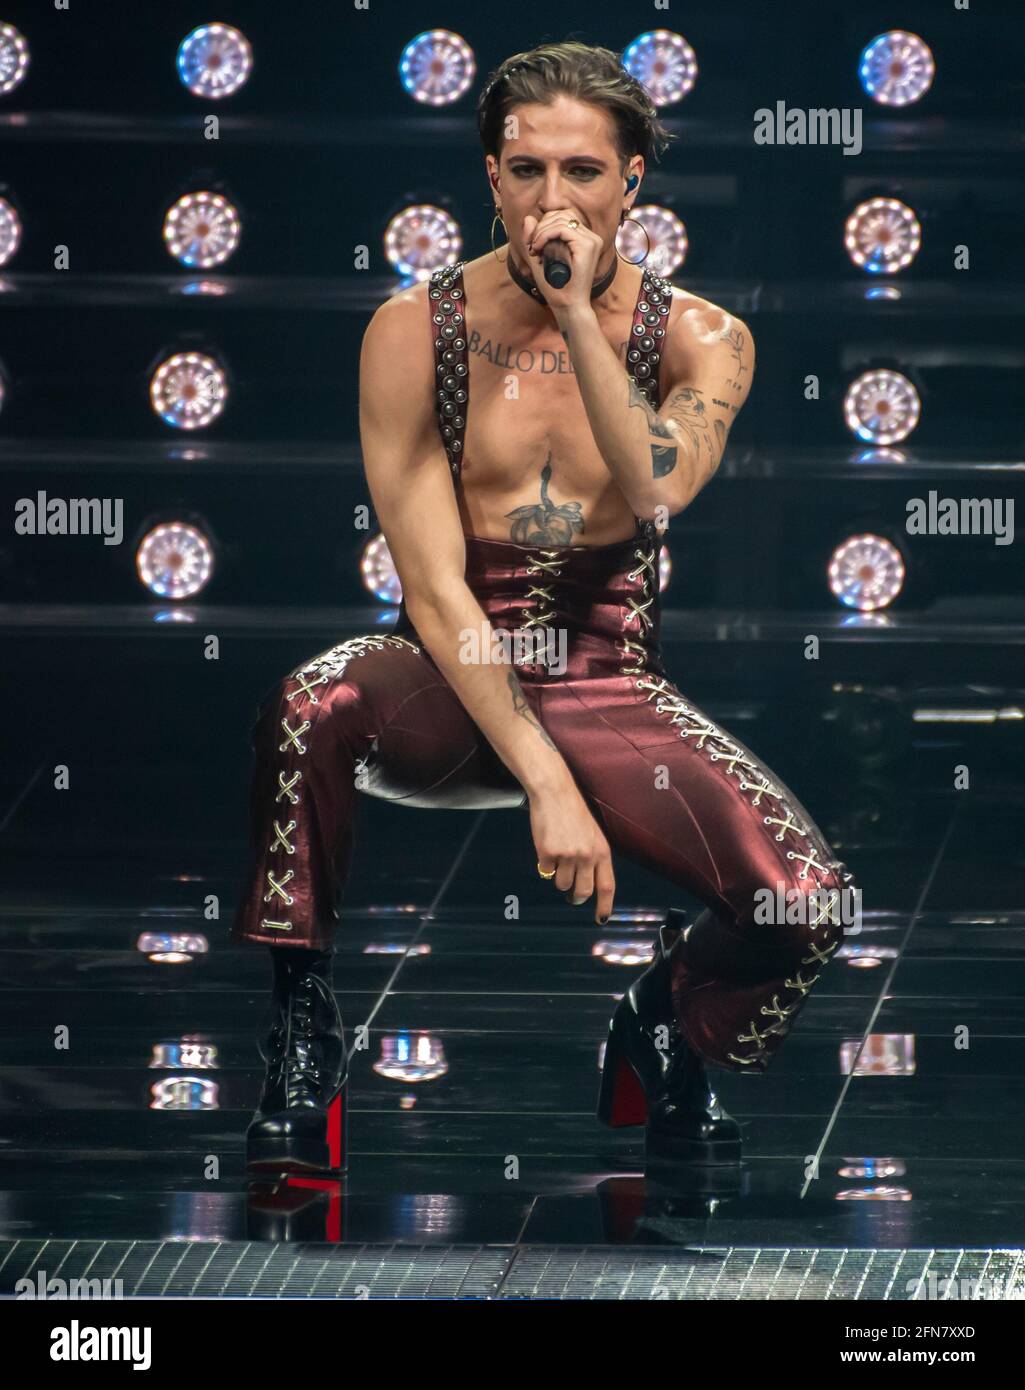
{"points": [[566, 257], [557, 267]]}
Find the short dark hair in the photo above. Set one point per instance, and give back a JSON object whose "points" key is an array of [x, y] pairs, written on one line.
{"points": [[581, 71]]}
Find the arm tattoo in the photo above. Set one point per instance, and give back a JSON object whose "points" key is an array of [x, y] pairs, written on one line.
{"points": [[735, 338], [688, 411], [523, 709], [544, 523], [663, 456]]}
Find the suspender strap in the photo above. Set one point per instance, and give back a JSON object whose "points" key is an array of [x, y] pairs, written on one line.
{"points": [[447, 304]]}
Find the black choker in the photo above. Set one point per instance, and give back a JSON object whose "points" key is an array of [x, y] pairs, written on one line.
{"points": [[599, 287]]}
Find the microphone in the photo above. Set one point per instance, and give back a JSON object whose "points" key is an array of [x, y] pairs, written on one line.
{"points": [[555, 255]]}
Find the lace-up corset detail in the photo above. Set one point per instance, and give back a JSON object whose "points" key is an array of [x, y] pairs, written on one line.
{"points": [[545, 562]]}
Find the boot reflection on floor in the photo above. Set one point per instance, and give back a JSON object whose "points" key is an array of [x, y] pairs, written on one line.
{"points": [[295, 1208]]}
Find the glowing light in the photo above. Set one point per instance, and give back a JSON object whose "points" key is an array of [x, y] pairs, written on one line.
{"points": [[967, 716], [629, 952], [865, 957], [420, 239], [209, 288], [882, 1054], [411, 1057], [872, 1168], [10, 231], [866, 572], [882, 407], [396, 948], [378, 571], [172, 948], [214, 61], [874, 1194], [14, 58], [189, 1052], [175, 560], [437, 67], [896, 68], [664, 63], [882, 236], [202, 229], [881, 456], [184, 1093], [188, 390], [665, 569], [667, 239]]}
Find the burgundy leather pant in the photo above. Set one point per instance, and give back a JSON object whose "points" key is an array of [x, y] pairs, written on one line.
{"points": [[671, 789]]}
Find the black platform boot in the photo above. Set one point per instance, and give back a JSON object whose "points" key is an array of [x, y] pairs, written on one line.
{"points": [[301, 1123], [665, 1087]]}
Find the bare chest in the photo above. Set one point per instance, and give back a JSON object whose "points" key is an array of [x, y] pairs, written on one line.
{"points": [[524, 404]]}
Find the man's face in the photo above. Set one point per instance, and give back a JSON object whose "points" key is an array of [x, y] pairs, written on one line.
{"points": [[561, 156]]}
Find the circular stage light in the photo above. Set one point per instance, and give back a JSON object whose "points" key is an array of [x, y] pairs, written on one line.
{"points": [[189, 390], [202, 229], [882, 407], [420, 239], [437, 67], [14, 57], [378, 571], [667, 238], [214, 61], [882, 236], [174, 560], [10, 231], [663, 63], [866, 572], [896, 68]]}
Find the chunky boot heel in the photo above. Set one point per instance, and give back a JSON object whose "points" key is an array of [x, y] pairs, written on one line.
{"points": [[621, 1100], [652, 1076], [301, 1124]]}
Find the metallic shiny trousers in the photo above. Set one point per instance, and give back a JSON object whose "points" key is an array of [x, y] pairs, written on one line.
{"points": [[671, 789]]}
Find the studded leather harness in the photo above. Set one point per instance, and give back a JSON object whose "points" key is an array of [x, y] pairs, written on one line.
{"points": [[447, 301]]}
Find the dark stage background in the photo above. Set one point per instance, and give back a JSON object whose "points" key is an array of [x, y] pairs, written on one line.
{"points": [[318, 151]]}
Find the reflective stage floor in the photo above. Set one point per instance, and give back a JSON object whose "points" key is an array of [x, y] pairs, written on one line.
{"points": [[130, 1069]]}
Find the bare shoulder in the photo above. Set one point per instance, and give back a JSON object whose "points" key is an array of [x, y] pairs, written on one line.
{"points": [[708, 348], [702, 322], [397, 343]]}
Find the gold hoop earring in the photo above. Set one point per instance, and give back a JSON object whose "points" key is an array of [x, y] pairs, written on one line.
{"points": [[498, 218], [646, 238]]}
